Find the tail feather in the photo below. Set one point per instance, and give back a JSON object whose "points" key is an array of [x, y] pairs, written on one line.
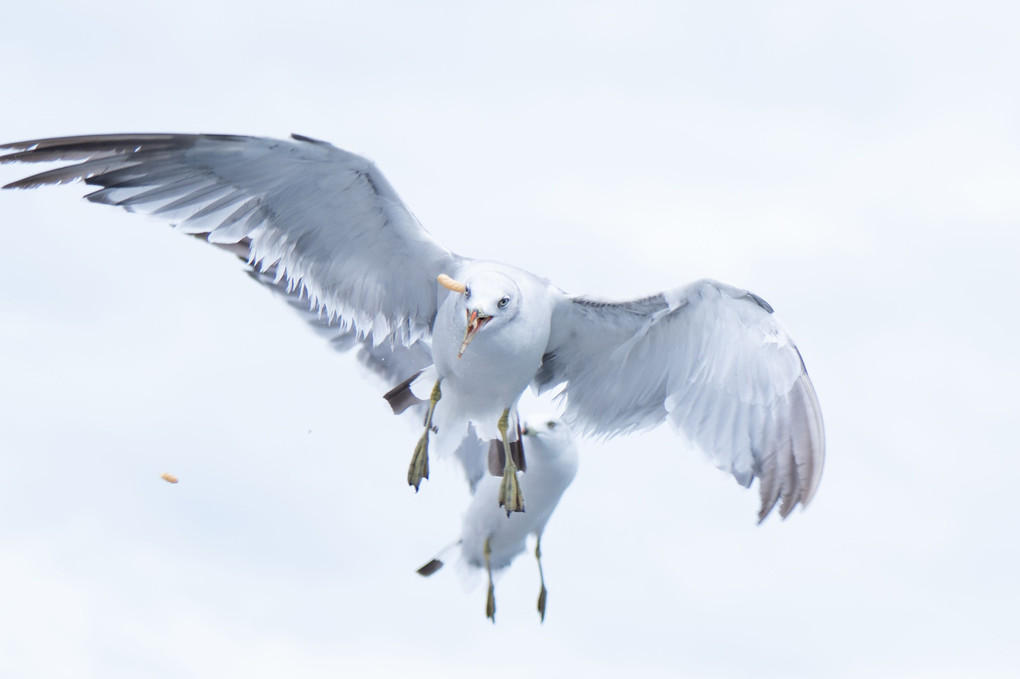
{"points": [[430, 568]]}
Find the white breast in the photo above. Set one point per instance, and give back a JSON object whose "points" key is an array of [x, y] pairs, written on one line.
{"points": [[502, 360]]}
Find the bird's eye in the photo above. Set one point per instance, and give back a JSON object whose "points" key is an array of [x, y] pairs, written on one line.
{"points": [[503, 302], [467, 293], [551, 424]]}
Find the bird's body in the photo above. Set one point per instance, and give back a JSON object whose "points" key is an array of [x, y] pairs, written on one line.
{"points": [[331, 232], [502, 360]]}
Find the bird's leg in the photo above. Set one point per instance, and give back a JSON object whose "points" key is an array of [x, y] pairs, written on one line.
{"points": [[541, 578], [419, 468], [510, 496], [490, 601]]}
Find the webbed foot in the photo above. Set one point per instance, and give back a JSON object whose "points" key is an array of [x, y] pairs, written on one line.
{"points": [[510, 496], [419, 468]]}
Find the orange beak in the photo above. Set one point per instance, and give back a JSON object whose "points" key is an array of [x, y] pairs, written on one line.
{"points": [[475, 321]]}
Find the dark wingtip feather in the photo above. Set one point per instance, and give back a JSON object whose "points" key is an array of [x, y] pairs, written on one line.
{"points": [[807, 448], [300, 137], [817, 432], [88, 146], [22, 155], [88, 139], [768, 487], [60, 175], [94, 150], [79, 148], [789, 502], [794, 472], [761, 302]]}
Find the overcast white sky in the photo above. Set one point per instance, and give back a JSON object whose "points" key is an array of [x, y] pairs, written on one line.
{"points": [[856, 164]]}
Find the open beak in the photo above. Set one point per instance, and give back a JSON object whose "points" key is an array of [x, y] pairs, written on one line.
{"points": [[475, 321]]}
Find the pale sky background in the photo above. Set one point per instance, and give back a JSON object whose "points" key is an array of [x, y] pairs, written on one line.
{"points": [[856, 164]]}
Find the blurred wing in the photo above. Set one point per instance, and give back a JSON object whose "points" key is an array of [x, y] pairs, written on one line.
{"points": [[325, 220], [392, 362], [389, 360], [712, 360], [473, 455]]}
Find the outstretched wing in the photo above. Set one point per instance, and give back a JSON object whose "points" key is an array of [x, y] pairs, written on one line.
{"points": [[712, 360], [325, 220]]}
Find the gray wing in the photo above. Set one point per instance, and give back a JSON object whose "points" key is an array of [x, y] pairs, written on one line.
{"points": [[473, 455], [713, 361], [388, 359], [325, 220]]}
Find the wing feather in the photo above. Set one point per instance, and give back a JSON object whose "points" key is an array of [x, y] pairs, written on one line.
{"points": [[709, 358], [325, 220], [389, 360], [768, 473]]}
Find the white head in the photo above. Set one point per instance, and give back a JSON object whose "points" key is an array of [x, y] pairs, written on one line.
{"points": [[489, 298], [554, 436], [549, 427]]}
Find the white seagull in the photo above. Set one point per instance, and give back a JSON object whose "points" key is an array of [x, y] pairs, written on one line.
{"points": [[489, 538], [708, 357]]}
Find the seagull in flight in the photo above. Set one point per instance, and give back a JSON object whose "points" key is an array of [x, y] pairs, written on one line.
{"points": [[490, 539], [709, 358]]}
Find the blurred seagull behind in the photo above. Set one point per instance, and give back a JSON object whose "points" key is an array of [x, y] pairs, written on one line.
{"points": [[490, 538]]}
